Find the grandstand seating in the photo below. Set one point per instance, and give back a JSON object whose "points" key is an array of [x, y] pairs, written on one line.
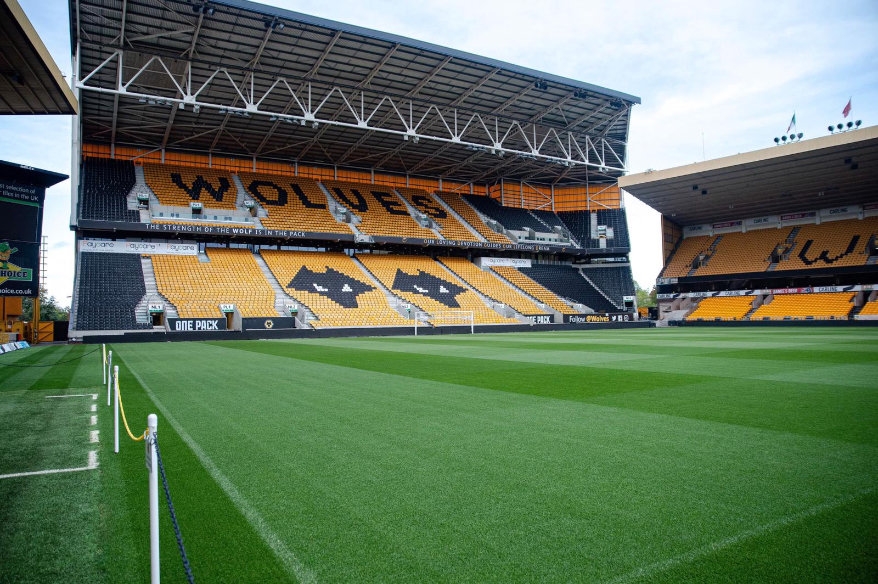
{"points": [[508, 217], [822, 306], [579, 224], [381, 210], [688, 249], [535, 289], [567, 282], [110, 287], [425, 284], [870, 308], [178, 186], [614, 281], [197, 288], [333, 287], [292, 203], [549, 217], [832, 244], [462, 208], [491, 286], [744, 252], [722, 308], [105, 187], [449, 226]]}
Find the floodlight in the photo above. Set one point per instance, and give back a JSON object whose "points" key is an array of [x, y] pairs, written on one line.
{"points": [[776, 140], [799, 135]]}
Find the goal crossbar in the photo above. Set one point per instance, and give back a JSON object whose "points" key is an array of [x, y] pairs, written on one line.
{"points": [[442, 317]]}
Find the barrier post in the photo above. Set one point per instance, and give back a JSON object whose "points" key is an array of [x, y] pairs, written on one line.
{"points": [[116, 409], [104, 360], [152, 465], [109, 374]]}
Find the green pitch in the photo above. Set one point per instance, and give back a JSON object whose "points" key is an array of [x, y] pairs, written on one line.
{"points": [[683, 455]]}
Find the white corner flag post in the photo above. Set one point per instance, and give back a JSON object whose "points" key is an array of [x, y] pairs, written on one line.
{"points": [[153, 467], [116, 409], [109, 374], [104, 361]]}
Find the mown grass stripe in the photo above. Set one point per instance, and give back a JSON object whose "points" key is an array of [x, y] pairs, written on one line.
{"points": [[287, 557]]}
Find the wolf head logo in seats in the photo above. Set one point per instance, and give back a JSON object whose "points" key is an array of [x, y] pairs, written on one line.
{"points": [[428, 285], [336, 286]]}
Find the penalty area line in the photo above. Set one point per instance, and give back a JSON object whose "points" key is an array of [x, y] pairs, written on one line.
{"points": [[91, 395], [715, 546], [91, 465]]}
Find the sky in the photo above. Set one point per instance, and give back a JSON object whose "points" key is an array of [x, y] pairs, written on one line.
{"points": [[715, 78]]}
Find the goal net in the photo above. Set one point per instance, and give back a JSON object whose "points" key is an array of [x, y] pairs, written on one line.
{"points": [[445, 318]]}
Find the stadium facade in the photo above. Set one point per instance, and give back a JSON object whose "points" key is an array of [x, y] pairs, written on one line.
{"points": [[242, 167]]}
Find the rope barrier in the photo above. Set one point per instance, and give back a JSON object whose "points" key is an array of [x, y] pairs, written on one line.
{"points": [[179, 536], [125, 422], [49, 364]]}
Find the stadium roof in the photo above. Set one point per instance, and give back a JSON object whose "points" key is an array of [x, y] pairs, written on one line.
{"points": [[30, 175], [30, 81], [244, 79], [834, 170]]}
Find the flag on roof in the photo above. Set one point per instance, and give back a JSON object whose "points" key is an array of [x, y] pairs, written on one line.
{"points": [[792, 123], [847, 108]]}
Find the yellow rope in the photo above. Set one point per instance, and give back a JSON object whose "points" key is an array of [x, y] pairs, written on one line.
{"points": [[121, 409]]}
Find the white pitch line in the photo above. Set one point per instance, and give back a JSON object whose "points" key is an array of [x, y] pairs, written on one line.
{"points": [[91, 465], [91, 395], [291, 562], [94, 420], [715, 546], [94, 407], [93, 435]]}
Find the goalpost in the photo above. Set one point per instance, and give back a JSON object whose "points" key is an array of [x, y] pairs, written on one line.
{"points": [[463, 316]]}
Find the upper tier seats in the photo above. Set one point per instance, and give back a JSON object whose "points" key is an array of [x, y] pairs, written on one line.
{"points": [[178, 186], [292, 203], [579, 223], [333, 287], [429, 287], [110, 287], [380, 209], [462, 208], [197, 288], [105, 187], [614, 281], [509, 217], [491, 286], [449, 226]]}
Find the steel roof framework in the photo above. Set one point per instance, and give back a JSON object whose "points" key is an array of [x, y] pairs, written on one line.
{"points": [[248, 80]]}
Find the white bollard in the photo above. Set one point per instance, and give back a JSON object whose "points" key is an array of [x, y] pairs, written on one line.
{"points": [[109, 374], [116, 409], [104, 360], [153, 466]]}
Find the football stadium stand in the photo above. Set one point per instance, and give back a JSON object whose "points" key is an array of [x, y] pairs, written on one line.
{"points": [[178, 186], [110, 287], [462, 208], [615, 281], [582, 225], [380, 210], [105, 187], [430, 287], [292, 203], [567, 282], [822, 306], [831, 244], [722, 308], [197, 288], [743, 252], [333, 287], [449, 226], [870, 308], [491, 286], [509, 217], [535, 289]]}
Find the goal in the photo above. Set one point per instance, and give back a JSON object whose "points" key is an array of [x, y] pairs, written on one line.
{"points": [[445, 318]]}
